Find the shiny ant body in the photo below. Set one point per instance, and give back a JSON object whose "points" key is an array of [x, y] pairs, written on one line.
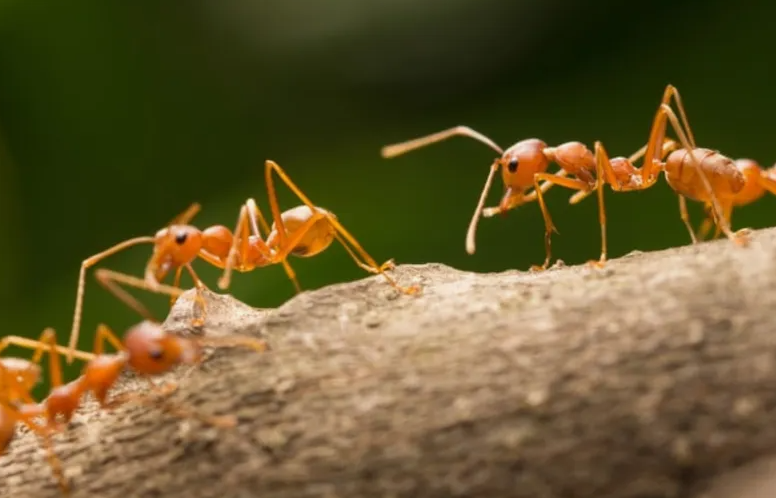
{"points": [[303, 231]]}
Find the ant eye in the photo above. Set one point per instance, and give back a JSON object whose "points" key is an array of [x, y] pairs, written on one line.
{"points": [[512, 166], [156, 354], [181, 238]]}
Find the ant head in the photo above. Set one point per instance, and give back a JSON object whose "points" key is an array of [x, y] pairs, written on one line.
{"points": [[152, 351], [519, 164], [176, 245]]}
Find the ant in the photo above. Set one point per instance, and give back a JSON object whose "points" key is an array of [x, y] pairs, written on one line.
{"points": [[758, 181], [161, 241], [303, 231], [146, 350], [18, 377], [523, 166], [700, 174]]}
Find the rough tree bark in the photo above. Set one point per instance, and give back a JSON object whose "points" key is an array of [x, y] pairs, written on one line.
{"points": [[649, 378]]}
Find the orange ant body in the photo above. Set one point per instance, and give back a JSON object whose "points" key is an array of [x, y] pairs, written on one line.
{"points": [[303, 231], [523, 166], [693, 172], [18, 377], [146, 350], [757, 182]]}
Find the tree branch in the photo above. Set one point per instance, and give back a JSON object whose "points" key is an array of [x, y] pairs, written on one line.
{"points": [[648, 378]]}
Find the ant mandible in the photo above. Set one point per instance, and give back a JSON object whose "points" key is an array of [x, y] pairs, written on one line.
{"points": [[523, 166], [303, 231], [693, 172], [757, 182], [18, 377]]}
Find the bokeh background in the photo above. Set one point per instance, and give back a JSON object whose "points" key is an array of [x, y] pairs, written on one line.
{"points": [[114, 116]]}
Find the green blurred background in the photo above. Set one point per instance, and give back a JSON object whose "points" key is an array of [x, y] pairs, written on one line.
{"points": [[114, 116]]}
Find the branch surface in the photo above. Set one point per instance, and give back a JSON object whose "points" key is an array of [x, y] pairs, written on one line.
{"points": [[653, 377]]}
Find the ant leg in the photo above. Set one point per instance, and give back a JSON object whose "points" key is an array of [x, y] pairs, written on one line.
{"points": [[254, 213], [371, 265], [740, 239], [685, 216], [110, 279], [529, 197], [707, 224], [79, 296], [241, 243], [199, 299], [458, 131], [44, 433], [604, 174], [672, 91], [492, 211], [176, 282], [186, 216], [549, 227], [292, 274], [24, 342]]}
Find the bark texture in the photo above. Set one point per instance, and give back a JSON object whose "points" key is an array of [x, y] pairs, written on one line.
{"points": [[653, 377]]}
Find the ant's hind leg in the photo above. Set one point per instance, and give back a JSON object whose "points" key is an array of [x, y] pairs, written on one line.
{"points": [[356, 248]]}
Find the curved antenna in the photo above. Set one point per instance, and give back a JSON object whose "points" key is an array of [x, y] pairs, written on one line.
{"points": [[458, 131], [478, 210]]}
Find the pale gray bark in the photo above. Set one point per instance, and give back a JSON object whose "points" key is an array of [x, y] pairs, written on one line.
{"points": [[648, 378]]}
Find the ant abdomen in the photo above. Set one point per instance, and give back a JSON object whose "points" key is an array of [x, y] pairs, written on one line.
{"points": [[724, 176], [315, 240]]}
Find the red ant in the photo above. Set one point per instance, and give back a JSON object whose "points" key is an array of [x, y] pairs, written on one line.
{"points": [[303, 231], [758, 181], [18, 377], [146, 350], [700, 174], [523, 166], [161, 243]]}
